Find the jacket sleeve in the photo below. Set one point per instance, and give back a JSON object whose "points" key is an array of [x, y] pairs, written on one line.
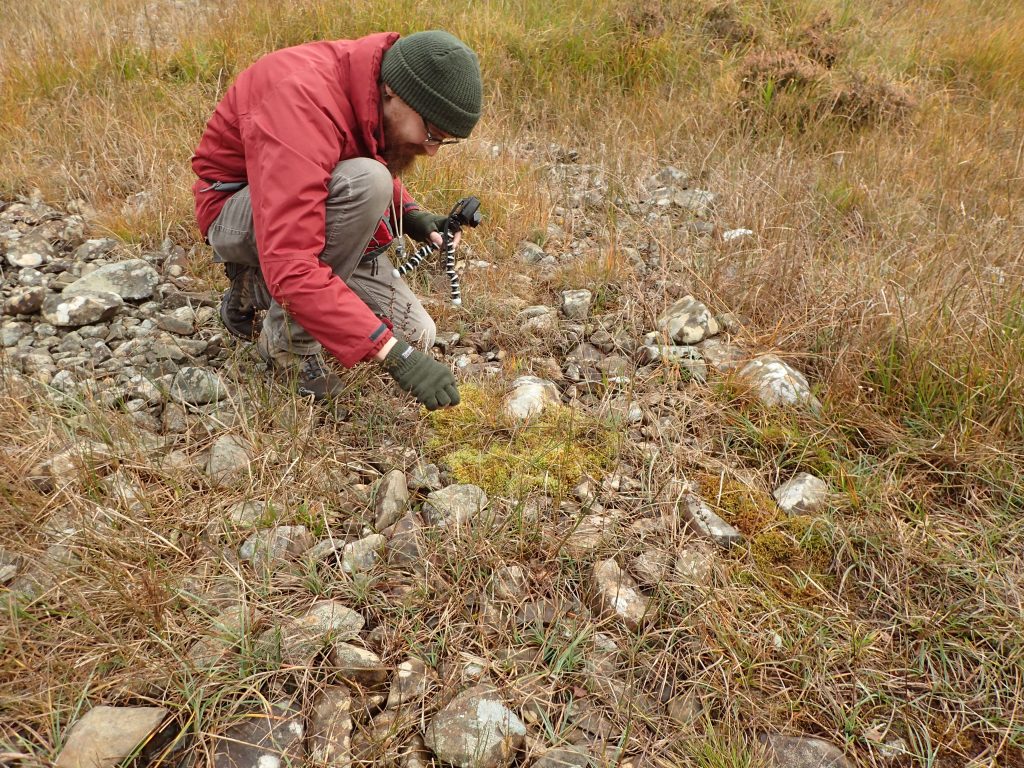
{"points": [[291, 148]]}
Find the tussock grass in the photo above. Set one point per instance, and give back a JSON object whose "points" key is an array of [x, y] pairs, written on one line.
{"points": [[879, 160]]}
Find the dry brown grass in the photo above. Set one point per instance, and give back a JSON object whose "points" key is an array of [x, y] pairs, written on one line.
{"points": [[887, 264]]}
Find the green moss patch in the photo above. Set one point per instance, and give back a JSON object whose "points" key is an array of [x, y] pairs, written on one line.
{"points": [[552, 451]]}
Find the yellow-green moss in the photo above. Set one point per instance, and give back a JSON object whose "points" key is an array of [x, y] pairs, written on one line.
{"points": [[748, 509], [480, 445]]}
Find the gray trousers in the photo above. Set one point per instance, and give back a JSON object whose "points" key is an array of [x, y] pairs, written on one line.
{"points": [[360, 190]]}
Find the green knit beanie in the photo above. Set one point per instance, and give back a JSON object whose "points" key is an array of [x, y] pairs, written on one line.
{"points": [[438, 75]]}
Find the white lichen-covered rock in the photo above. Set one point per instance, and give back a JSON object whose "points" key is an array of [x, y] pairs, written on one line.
{"points": [[330, 728], [802, 752], [805, 494], [688, 321], [476, 730], [197, 386], [228, 460], [530, 396], [777, 383], [576, 304], [362, 555], [357, 665], [271, 739], [703, 521], [454, 505], [698, 202], [81, 309], [278, 544], [410, 684], [694, 566], [131, 280], [616, 595], [297, 639]]}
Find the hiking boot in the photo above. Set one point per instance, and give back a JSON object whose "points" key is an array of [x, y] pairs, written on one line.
{"points": [[237, 306], [311, 377]]}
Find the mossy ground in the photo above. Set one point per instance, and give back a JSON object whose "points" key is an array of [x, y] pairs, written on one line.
{"points": [[551, 452]]}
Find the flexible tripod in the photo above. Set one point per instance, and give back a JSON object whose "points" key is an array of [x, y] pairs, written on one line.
{"points": [[465, 213]]}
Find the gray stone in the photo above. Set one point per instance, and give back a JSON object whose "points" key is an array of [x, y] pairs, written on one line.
{"points": [[476, 730], [197, 386], [276, 545], [357, 665], [330, 728], [298, 639], [802, 752], [697, 202], [705, 522], [777, 383], [652, 566], [391, 499], [454, 505], [530, 253], [576, 304], [687, 321], [228, 460], [12, 332], [86, 457], [81, 309], [538, 319], [736, 235], [805, 494], [405, 541], [530, 396], [616, 595], [25, 301], [564, 757], [425, 477], [694, 566], [590, 533], [131, 280], [107, 735], [362, 555], [271, 739], [685, 357], [410, 684], [30, 251]]}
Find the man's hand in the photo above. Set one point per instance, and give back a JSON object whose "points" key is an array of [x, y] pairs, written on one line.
{"points": [[426, 227], [429, 381]]}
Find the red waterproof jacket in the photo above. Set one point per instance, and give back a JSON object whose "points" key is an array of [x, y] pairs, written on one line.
{"points": [[282, 126]]}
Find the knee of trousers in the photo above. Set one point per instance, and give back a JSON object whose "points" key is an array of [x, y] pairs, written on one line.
{"points": [[364, 177]]}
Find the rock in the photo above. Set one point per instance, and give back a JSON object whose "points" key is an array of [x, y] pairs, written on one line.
{"points": [[616, 595], [391, 499], [405, 541], [669, 176], [454, 505], [564, 757], [530, 253], [698, 202], [105, 736], [30, 251], [330, 728], [264, 740], [705, 522], [425, 477], [81, 309], [802, 752], [576, 304], [530, 396], [694, 566], [685, 357], [684, 708], [86, 457], [805, 494], [297, 640], [410, 684], [652, 566], [509, 583], [687, 321], [362, 555], [228, 460], [735, 235], [264, 548], [357, 665], [589, 535], [476, 730], [197, 386], [13, 332], [777, 383], [131, 280], [537, 319], [25, 301]]}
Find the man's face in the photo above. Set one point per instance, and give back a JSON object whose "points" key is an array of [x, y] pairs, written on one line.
{"points": [[405, 134]]}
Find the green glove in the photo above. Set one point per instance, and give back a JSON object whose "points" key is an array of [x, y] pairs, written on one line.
{"points": [[419, 224], [422, 376]]}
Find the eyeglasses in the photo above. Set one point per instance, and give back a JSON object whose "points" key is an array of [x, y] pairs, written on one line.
{"points": [[434, 141]]}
